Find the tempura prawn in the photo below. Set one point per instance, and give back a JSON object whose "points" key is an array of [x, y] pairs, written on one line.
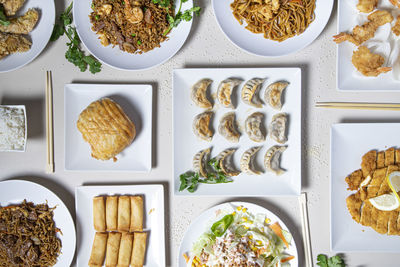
{"points": [[367, 63], [367, 6], [366, 31]]}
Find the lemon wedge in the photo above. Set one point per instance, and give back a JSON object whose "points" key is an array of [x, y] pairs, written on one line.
{"points": [[385, 202], [393, 179]]}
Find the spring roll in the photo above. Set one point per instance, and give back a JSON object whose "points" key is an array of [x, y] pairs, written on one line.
{"points": [[99, 214], [138, 249], [112, 249], [111, 213], [125, 250], [98, 250], [124, 213], [136, 214]]}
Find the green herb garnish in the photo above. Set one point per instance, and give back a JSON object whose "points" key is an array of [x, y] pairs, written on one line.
{"points": [[220, 227], [74, 53], [3, 19], [335, 261], [179, 16]]}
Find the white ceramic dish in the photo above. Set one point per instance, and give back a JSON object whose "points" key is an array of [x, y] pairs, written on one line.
{"points": [[205, 219], [256, 44], [349, 142], [154, 219], [135, 100], [186, 144], [347, 77], [118, 59], [39, 36], [26, 126], [15, 191]]}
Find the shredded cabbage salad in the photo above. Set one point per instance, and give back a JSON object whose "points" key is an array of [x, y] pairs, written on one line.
{"points": [[240, 238]]}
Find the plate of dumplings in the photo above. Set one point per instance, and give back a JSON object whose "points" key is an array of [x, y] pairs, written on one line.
{"points": [[237, 131]]}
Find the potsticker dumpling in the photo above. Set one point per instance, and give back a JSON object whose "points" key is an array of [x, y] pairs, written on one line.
{"points": [[199, 93], [250, 91], [277, 128], [227, 127], [247, 161], [201, 126], [224, 92], [225, 162], [253, 127], [200, 162], [272, 159], [273, 94]]}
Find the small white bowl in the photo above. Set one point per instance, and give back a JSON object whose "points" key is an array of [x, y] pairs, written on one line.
{"points": [[26, 127]]}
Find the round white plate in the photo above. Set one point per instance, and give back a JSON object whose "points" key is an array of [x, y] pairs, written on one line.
{"points": [[118, 59], [39, 37], [257, 44], [198, 227], [15, 191]]}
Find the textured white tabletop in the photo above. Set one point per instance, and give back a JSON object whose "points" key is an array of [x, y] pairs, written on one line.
{"points": [[205, 47]]}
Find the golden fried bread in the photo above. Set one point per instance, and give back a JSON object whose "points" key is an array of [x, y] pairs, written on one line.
{"points": [[107, 129]]}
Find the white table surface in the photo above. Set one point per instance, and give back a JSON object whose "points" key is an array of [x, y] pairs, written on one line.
{"points": [[206, 47]]}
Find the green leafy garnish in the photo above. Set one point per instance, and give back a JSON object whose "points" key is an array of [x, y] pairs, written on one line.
{"points": [[220, 227], [190, 180], [179, 16], [3, 19], [335, 261], [74, 53]]}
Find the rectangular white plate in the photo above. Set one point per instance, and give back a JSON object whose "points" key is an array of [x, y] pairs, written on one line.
{"points": [[154, 219], [135, 100], [348, 79], [186, 144], [349, 142]]}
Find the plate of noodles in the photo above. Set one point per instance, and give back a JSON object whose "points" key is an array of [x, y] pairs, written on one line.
{"points": [[129, 34], [272, 28]]}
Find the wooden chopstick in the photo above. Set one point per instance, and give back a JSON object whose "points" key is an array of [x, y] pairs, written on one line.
{"points": [[354, 105], [49, 124], [305, 230]]}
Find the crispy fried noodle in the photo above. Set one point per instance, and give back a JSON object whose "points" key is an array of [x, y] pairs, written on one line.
{"points": [[278, 20], [28, 236]]}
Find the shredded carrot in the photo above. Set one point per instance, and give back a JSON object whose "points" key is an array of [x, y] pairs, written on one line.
{"points": [[278, 231], [186, 257], [287, 259]]}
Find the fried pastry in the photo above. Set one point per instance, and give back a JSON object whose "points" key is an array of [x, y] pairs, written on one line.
{"points": [[107, 129]]}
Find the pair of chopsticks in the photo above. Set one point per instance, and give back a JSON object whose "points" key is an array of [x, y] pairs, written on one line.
{"points": [[305, 230], [49, 124], [355, 105]]}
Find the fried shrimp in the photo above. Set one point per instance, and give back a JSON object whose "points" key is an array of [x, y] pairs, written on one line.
{"points": [[367, 6], [366, 31], [396, 27], [367, 63]]}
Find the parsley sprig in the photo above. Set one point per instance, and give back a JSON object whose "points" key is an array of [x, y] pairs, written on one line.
{"points": [[190, 180], [335, 261], [3, 19], [174, 21], [74, 53]]}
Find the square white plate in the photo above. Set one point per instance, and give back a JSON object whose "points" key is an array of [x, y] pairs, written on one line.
{"points": [[348, 79], [186, 144], [135, 100], [154, 219], [349, 142]]}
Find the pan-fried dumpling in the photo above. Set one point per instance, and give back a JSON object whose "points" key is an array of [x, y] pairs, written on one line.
{"points": [[200, 161], [225, 162], [227, 127], [253, 126], [250, 92], [247, 160], [277, 128], [272, 159], [224, 92], [273, 94], [201, 126], [199, 93]]}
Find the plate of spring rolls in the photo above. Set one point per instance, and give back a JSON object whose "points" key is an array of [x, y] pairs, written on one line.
{"points": [[120, 225]]}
